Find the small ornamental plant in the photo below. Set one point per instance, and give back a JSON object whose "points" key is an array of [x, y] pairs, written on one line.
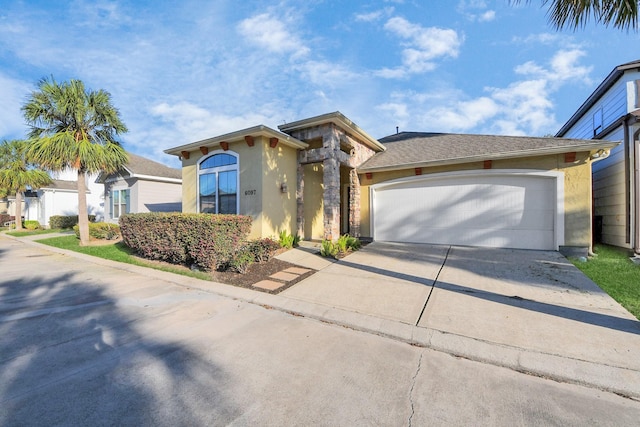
{"points": [[341, 248]]}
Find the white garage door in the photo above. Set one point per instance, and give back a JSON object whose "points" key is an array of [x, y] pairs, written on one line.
{"points": [[506, 211]]}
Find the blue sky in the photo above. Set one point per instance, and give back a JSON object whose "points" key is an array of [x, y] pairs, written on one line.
{"points": [[187, 70]]}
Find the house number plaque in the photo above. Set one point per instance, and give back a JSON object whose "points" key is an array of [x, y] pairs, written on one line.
{"points": [[250, 192]]}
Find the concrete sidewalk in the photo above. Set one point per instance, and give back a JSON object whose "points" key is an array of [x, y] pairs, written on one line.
{"points": [[529, 311]]}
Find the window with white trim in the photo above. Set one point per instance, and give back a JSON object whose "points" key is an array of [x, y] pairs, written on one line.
{"points": [[119, 202], [218, 184]]}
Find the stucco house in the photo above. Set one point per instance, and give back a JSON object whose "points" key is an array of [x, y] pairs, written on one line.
{"points": [[325, 176], [142, 185], [612, 113]]}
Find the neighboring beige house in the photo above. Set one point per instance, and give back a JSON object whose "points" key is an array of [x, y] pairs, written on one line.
{"points": [[324, 176], [612, 112], [142, 185]]}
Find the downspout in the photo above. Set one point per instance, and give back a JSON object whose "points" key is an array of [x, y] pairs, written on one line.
{"points": [[601, 155], [628, 187], [636, 184]]}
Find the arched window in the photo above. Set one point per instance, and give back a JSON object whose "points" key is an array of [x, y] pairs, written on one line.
{"points": [[218, 184]]}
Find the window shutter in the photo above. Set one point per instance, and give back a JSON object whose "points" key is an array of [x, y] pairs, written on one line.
{"points": [[112, 197], [126, 196]]}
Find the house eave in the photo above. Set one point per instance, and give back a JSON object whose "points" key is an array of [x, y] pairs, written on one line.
{"points": [[591, 148], [157, 178], [340, 120], [238, 136]]}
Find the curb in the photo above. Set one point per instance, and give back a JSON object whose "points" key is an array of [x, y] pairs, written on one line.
{"points": [[612, 379]]}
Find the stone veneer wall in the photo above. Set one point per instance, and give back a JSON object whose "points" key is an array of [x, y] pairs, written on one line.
{"points": [[331, 157]]}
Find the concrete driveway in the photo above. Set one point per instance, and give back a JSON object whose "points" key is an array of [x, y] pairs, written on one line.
{"points": [[497, 305]]}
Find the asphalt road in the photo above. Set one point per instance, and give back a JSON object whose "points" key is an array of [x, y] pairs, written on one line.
{"points": [[88, 344]]}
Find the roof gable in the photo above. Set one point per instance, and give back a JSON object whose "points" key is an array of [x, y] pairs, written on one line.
{"points": [[141, 167]]}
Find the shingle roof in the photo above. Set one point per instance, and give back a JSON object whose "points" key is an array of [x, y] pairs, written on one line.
{"points": [[58, 184], [416, 149], [139, 165]]}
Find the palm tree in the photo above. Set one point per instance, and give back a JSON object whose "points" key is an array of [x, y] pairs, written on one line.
{"points": [[75, 128], [17, 173], [622, 14]]}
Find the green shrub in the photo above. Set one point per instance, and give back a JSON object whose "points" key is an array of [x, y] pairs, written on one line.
{"points": [[341, 247], [263, 249], [341, 244], [100, 230], [242, 261], [288, 240], [31, 225], [328, 249], [66, 221], [208, 241]]}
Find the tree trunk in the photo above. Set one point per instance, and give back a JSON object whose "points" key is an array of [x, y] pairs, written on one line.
{"points": [[18, 210], [83, 218]]}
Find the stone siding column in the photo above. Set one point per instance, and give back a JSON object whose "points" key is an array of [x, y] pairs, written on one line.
{"points": [[354, 203], [331, 181]]}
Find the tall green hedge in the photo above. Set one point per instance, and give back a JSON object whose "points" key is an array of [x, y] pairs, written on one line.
{"points": [[206, 240]]}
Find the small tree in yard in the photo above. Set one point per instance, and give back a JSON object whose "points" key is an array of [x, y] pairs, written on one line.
{"points": [[17, 173], [75, 128]]}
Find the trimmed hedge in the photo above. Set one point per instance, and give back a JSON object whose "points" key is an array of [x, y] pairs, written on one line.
{"points": [[66, 221], [206, 240], [100, 230]]}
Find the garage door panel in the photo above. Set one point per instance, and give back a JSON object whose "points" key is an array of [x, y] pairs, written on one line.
{"points": [[499, 211]]}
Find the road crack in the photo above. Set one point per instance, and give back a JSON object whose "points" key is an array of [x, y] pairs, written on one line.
{"points": [[413, 384]]}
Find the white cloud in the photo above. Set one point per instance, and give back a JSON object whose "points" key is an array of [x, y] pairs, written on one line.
{"points": [[326, 74], [524, 107], [476, 10], [376, 15], [195, 122], [487, 16], [271, 33], [563, 66], [423, 45], [99, 14]]}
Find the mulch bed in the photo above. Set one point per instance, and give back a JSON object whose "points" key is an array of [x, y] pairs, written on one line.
{"points": [[255, 273]]}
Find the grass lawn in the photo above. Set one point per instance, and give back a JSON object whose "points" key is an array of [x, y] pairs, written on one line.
{"points": [[35, 232], [614, 272], [116, 252]]}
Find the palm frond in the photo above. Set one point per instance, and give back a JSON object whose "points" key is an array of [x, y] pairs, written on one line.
{"points": [[574, 14]]}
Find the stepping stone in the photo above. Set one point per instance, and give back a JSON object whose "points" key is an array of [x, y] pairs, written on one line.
{"points": [[286, 277], [297, 270], [269, 285]]}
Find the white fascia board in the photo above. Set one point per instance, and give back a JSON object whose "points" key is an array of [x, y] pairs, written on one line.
{"points": [[157, 178]]}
